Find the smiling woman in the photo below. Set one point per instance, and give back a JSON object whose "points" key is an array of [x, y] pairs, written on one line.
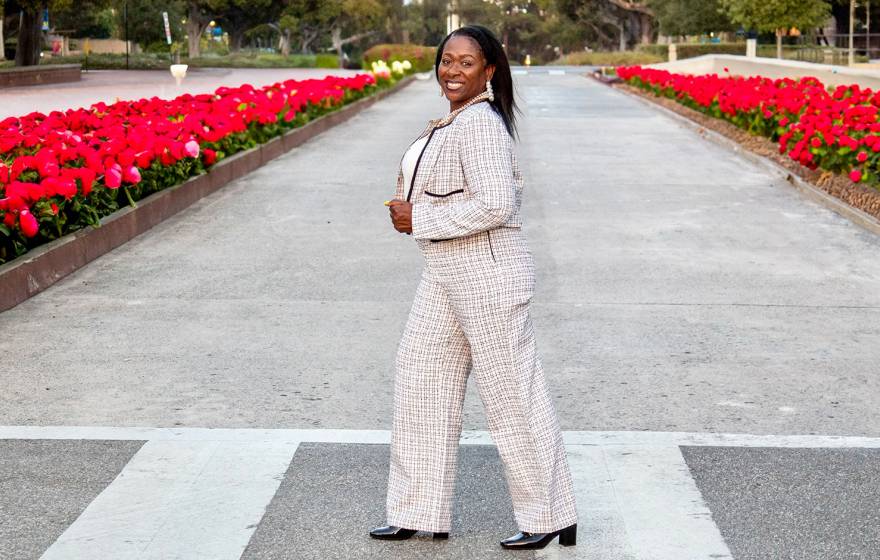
{"points": [[459, 189]]}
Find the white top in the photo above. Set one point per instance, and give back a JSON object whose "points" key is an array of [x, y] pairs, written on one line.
{"points": [[410, 158]]}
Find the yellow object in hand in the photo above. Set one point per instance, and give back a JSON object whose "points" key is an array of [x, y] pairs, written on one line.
{"points": [[387, 203]]}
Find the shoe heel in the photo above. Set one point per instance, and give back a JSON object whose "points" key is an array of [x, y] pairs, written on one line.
{"points": [[568, 536], [441, 535]]}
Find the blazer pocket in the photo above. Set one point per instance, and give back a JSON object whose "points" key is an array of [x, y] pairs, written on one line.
{"points": [[443, 195]]}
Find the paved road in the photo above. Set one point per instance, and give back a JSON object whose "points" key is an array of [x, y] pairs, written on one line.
{"points": [[680, 289]]}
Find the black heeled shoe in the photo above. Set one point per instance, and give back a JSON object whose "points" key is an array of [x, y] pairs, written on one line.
{"points": [[523, 540], [394, 533]]}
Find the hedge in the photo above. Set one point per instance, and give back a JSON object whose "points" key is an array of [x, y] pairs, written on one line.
{"points": [[421, 57]]}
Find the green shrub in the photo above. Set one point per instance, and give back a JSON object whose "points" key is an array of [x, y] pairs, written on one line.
{"points": [[613, 58], [326, 61], [421, 58]]}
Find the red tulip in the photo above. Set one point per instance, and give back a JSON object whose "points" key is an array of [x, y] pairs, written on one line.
{"points": [[131, 175], [28, 223]]}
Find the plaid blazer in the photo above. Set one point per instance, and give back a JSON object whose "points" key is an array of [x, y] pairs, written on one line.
{"points": [[466, 180]]}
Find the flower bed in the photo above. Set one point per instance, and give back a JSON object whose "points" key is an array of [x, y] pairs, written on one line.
{"points": [[66, 170], [836, 130]]}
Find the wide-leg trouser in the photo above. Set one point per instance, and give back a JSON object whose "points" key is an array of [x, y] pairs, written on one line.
{"points": [[471, 313]]}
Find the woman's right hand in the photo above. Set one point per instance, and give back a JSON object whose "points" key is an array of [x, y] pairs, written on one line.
{"points": [[401, 215]]}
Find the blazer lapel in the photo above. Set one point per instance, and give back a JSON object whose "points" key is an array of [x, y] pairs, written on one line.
{"points": [[429, 157]]}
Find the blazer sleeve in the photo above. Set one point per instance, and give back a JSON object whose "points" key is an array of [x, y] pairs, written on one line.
{"points": [[486, 158], [398, 193]]}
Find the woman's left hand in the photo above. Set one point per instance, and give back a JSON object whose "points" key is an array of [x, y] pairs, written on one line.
{"points": [[401, 215]]}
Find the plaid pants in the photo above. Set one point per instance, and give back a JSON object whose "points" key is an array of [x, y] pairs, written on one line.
{"points": [[471, 313]]}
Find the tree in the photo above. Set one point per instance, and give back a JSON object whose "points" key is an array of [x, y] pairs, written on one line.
{"points": [[30, 29], [642, 13], [87, 18], [145, 24], [690, 17], [303, 20], [239, 16], [611, 23], [200, 13], [352, 20], [778, 16], [424, 23]]}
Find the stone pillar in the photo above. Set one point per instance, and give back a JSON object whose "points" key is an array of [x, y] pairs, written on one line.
{"points": [[751, 48], [673, 52]]}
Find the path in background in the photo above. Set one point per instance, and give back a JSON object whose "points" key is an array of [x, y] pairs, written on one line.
{"points": [[108, 85]]}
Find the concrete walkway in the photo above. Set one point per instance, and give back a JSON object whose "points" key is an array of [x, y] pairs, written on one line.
{"points": [[109, 85], [680, 289]]}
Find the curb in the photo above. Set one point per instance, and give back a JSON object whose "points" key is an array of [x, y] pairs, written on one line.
{"points": [[41, 267], [806, 188], [23, 76]]}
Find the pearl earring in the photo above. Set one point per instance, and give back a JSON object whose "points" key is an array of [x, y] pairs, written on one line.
{"points": [[489, 90]]}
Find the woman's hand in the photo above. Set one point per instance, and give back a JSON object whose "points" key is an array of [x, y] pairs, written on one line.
{"points": [[401, 215]]}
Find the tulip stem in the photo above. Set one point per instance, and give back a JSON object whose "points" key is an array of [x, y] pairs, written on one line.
{"points": [[128, 196]]}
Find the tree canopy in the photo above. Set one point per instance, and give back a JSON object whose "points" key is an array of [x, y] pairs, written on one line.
{"points": [[541, 29]]}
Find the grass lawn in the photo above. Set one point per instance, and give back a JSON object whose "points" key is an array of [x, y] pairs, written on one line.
{"points": [[613, 58]]}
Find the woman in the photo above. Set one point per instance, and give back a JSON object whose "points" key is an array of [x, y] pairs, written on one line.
{"points": [[458, 194]]}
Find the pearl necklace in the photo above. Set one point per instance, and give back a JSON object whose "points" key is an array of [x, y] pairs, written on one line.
{"points": [[437, 123]]}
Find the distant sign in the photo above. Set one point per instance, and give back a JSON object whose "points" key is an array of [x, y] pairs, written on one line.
{"points": [[45, 20], [167, 27]]}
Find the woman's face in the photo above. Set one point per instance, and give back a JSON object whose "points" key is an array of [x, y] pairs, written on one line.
{"points": [[463, 71]]}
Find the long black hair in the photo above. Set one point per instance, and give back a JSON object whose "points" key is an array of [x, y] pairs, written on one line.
{"points": [[502, 82]]}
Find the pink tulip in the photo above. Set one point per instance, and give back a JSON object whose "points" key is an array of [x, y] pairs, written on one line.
{"points": [[113, 176], [191, 148]]}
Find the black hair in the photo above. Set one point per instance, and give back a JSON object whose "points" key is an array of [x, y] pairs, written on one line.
{"points": [[502, 82]]}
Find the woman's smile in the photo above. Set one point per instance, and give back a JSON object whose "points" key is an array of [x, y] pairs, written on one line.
{"points": [[462, 70]]}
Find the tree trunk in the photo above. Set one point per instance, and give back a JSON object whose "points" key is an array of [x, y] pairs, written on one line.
{"points": [[647, 28], [779, 44], [622, 27], [285, 42], [336, 38], [193, 30], [236, 38], [308, 36], [27, 53]]}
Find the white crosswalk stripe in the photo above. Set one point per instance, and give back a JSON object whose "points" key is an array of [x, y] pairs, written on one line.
{"points": [[180, 499], [193, 493]]}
